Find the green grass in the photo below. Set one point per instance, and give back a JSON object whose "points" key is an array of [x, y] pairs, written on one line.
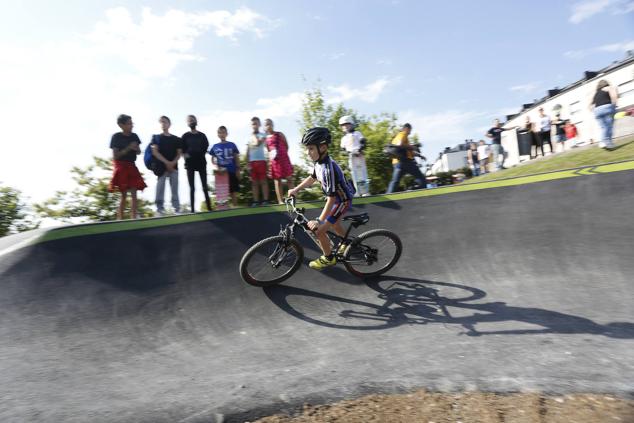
{"points": [[577, 157]]}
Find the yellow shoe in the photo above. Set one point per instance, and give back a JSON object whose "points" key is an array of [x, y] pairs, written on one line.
{"points": [[342, 249], [322, 262]]}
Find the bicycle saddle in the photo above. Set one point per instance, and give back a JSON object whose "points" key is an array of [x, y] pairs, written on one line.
{"points": [[358, 219]]}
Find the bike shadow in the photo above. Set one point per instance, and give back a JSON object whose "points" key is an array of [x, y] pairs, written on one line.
{"points": [[411, 301]]}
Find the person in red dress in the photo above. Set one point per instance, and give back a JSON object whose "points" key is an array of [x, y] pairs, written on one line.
{"points": [[126, 177], [280, 164]]}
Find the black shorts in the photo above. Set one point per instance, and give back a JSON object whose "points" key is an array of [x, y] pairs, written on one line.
{"points": [[234, 184]]}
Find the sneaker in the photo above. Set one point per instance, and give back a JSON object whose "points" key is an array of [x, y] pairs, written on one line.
{"points": [[255, 204], [264, 203], [342, 249], [322, 262]]}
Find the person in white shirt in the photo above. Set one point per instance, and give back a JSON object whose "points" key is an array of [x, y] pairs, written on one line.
{"points": [[353, 143], [483, 156]]}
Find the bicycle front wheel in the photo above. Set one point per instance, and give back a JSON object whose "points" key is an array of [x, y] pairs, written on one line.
{"points": [[373, 253], [271, 261]]}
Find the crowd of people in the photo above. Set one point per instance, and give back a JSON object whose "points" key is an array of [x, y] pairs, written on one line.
{"points": [[266, 157], [483, 158]]}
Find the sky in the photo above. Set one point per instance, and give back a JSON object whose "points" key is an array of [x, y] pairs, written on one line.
{"points": [[68, 69]]}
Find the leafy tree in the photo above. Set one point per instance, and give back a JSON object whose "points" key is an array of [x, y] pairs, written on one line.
{"points": [[377, 129], [90, 200], [13, 213]]}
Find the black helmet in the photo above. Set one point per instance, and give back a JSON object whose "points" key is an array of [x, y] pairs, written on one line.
{"points": [[317, 136]]}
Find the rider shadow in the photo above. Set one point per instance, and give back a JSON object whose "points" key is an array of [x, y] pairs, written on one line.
{"points": [[409, 301]]}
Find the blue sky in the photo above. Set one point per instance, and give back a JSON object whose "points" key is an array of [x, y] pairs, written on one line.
{"points": [[68, 69]]}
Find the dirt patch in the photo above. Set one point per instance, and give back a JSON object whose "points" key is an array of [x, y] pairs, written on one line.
{"points": [[474, 407]]}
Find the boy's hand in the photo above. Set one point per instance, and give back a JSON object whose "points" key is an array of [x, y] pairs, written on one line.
{"points": [[313, 225], [292, 192]]}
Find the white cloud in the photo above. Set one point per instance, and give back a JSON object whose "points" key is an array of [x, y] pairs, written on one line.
{"points": [[586, 9], [335, 56], [609, 48], [62, 98], [157, 44], [525, 88], [369, 93], [384, 62]]}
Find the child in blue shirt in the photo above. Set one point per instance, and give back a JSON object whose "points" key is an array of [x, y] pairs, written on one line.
{"points": [[226, 157]]}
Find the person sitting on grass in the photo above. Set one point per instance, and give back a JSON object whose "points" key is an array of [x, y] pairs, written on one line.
{"points": [[335, 187]]}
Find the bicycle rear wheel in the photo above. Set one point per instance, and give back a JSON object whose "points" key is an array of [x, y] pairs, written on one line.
{"points": [[271, 261], [373, 253]]}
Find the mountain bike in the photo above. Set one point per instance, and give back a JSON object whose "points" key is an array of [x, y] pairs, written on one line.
{"points": [[275, 259]]}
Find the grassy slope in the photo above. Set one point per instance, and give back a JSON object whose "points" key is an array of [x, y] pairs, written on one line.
{"points": [[583, 156]]}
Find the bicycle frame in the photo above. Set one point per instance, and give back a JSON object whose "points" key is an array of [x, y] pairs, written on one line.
{"points": [[288, 232]]}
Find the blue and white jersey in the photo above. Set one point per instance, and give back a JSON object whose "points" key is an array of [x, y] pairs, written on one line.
{"points": [[225, 152], [332, 180]]}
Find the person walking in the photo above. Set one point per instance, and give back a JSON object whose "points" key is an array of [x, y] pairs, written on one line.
{"points": [[195, 145], [405, 164], [167, 149], [603, 105], [495, 133]]}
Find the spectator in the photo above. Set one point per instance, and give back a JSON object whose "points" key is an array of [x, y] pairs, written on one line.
{"points": [[544, 131], [495, 133], [280, 164], [483, 156], [405, 163], [195, 145], [571, 133], [472, 159], [126, 177], [256, 159], [529, 130], [353, 142], [167, 149], [560, 133], [226, 157], [604, 105]]}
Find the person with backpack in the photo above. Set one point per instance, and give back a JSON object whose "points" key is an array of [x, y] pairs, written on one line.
{"points": [[126, 177], [195, 145], [603, 104], [403, 160], [353, 143], [166, 151]]}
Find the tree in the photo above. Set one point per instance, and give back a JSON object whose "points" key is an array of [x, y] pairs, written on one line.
{"points": [[13, 213], [377, 129], [90, 200]]}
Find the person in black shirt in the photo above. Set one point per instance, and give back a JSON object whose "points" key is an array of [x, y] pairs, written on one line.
{"points": [[126, 177], [167, 148], [495, 133], [195, 146], [560, 133]]}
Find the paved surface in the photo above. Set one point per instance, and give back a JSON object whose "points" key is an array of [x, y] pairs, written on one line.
{"points": [[517, 288]]}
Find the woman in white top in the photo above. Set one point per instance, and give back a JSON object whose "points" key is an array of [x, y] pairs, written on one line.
{"points": [[483, 156], [353, 143]]}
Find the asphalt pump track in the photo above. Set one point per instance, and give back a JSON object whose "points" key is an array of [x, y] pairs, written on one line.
{"points": [[518, 288]]}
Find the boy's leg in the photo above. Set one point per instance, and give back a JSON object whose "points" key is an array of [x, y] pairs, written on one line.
{"points": [[174, 189], [192, 189], [203, 182], [121, 208], [396, 178], [133, 212], [160, 193], [264, 184], [255, 182]]}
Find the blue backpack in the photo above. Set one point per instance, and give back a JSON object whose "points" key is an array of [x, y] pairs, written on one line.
{"points": [[148, 158]]}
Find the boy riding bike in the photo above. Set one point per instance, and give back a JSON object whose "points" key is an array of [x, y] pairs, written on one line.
{"points": [[335, 187]]}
